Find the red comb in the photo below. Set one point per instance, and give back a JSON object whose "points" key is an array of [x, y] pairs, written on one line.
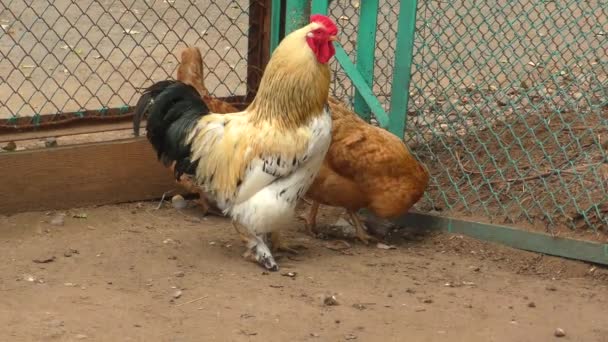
{"points": [[326, 22]]}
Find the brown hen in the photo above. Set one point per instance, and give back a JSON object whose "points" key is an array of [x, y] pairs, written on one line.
{"points": [[365, 167]]}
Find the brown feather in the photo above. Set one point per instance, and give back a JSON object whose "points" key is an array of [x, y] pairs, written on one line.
{"points": [[370, 162]]}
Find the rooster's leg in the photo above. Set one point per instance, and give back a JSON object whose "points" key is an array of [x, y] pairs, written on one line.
{"points": [[279, 245], [360, 231], [257, 250], [311, 219], [202, 202]]}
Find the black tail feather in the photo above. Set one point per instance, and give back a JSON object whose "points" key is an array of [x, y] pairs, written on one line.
{"points": [[144, 102], [173, 109]]}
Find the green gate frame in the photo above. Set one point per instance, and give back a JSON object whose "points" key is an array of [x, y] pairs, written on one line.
{"points": [[395, 121]]}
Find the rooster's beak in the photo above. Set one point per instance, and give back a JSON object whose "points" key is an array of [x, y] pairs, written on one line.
{"points": [[332, 38]]}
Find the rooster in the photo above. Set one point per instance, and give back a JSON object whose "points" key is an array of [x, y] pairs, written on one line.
{"points": [[257, 163], [365, 166]]}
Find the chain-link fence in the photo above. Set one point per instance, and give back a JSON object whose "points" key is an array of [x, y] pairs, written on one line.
{"points": [[508, 106], [508, 101], [91, 57]]}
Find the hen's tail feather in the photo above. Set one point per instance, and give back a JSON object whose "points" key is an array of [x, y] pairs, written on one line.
{"points": [[173, 110]]}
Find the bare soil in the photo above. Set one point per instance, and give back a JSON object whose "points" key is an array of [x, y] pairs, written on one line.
{"points": [[113, 276]]}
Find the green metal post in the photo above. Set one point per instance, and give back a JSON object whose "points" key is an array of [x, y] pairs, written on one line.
{"points": [[319, 7], [366, 92], [275, 24], [366, 46], [295, 15], [400, 90]]}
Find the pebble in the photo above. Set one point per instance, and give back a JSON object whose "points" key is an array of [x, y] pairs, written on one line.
{"points": [[177, 294], [70, 252], [551, 288], [58, 220], [531, 305], [81, 336], [359, 306], [56, 323], [330, 301], [559, 332], [179, 202], [10, 146], [179, 274], [50, 142]]}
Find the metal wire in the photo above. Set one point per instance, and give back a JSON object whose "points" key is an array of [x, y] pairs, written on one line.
{"points": [[72, 56], [508, 106]]}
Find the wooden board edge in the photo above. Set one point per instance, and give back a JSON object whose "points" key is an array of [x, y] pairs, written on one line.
{"points": [[82, 175]]}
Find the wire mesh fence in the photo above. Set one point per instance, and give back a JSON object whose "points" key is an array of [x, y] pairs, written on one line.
{"points": [[510, 109], [91, 56], [508, 106], [508, 101]]}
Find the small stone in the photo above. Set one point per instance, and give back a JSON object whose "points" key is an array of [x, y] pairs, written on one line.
{"points": [[177, 294], [70, 252], [559, 332], [45, 260], [551, 288], [330, 300], [50, 142], [179, 202], [173, 257], [359, 306], [531, 305], [428, 301], [179, 274], [81, 336], [10, 146], [58, 220], [56, 323]]}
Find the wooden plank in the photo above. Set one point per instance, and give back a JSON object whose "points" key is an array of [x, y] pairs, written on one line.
{"points": [[81, 175], [67, 131]]}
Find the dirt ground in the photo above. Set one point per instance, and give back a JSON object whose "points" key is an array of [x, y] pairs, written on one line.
{"points": [[114, 275]]}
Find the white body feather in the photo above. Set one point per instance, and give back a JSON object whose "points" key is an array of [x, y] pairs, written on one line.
{"points": [[272, 207], [266, 199]]}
